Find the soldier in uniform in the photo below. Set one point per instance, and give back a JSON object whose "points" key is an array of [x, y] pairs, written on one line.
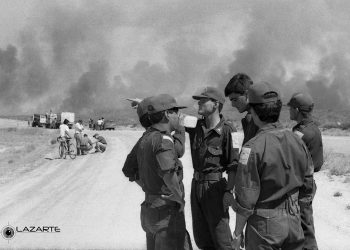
{"points": [[130, 168], [162, 216], [300, 110], [274, 176], [237, 91], [212, 153]]}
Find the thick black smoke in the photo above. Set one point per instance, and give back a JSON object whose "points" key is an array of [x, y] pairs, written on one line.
{"points": [[89, 56]]}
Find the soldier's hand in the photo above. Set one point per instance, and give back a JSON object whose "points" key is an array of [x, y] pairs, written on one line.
{"points": [[134, 102], [228, 200], [238, 241]]}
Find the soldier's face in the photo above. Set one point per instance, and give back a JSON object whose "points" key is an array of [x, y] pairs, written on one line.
{"points": [[173, 116], [238, 101], [206, 106]]}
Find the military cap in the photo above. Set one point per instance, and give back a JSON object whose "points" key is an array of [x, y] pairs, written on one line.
{"points": [[212, 93], [142, 107], [262, 92], [162, 102], [95, 135], [302, 101]]}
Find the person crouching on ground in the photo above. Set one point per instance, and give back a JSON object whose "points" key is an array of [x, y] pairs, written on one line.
{"points": [[85, 144], [101, 143]]}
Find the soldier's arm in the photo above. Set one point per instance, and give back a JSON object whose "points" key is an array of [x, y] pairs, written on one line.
{"points": [[307, 190], [167, 167], [247, 187], [231, 156], [130, 168], [179, 141]]}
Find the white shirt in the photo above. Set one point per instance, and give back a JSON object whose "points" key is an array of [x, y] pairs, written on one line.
{"points": [[99, 122], [63, 129], [79, 127]]}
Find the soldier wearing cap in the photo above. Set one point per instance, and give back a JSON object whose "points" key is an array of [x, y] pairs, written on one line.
{"points": [[130, 168], [162, 215], [274, 176], [237, 91], [212, 153], [300, 110]]}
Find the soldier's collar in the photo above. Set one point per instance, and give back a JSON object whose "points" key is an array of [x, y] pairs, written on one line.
{"points": [[305, 121], [270, 126], [218, 127]]}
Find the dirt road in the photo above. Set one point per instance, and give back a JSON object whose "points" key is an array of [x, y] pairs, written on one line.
{"points": [[95, 206]]}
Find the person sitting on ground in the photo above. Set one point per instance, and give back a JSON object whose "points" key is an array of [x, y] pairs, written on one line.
{"points": [[85, 145], [101, 143]]}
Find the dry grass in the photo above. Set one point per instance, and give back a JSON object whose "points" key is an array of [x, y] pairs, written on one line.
{"points": [[338, 164], [21, 148]]}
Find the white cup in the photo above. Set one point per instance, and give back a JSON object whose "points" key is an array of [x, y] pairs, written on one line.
{"points": [[188, 121]]}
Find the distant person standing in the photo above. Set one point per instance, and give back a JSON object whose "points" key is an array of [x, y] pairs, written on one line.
{"points": [[101, 143], [300, 110], [99, 124], [78, 134], [103, 123]]}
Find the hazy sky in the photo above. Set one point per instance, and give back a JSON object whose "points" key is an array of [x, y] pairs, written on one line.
{"points": [[90, 55]]}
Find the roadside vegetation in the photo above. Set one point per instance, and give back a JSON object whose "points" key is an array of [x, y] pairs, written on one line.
{"points": [[337, 164], [22, 149]]}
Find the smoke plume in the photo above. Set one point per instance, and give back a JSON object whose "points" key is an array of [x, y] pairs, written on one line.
{"points": [[88, 56]]}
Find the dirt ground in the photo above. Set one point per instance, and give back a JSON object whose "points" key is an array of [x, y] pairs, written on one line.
{"points": [[96, 207]]}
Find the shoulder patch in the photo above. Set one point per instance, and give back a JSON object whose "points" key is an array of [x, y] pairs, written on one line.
{"points": [[244, 156], [235, 140], [298, 133], [167, 137]]}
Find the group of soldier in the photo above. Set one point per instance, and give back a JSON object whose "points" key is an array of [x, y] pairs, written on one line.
{"points": [[269, 185]]}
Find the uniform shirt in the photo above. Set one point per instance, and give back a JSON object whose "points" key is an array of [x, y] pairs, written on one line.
{"points": [[101, 139], [156, 156], [311, 135], [131, 169], [63, 129], [271, 165], [249, 128], [213, 150]]}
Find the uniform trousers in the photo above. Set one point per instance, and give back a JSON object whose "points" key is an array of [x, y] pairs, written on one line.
{"points": [[211, 228], [278, 228], [165, 227]]}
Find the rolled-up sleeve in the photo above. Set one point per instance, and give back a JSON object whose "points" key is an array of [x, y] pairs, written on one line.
{"points": [[247, 182]]}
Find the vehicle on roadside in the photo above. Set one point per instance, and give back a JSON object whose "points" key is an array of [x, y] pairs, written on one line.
{"points": [[110, 125], [39, 120]]}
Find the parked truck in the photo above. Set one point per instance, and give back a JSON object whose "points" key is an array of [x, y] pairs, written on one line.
{"points": [[39, 120]]}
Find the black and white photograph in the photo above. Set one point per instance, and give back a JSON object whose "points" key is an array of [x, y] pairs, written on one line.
{"points": [[174, 124]]}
